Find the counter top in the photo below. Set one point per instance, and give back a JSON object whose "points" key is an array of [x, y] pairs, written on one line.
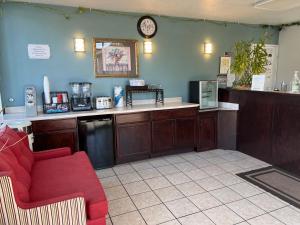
{"points": [[133, 109]]}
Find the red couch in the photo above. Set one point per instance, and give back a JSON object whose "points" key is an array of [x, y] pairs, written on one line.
{"points": [[53, 187]]}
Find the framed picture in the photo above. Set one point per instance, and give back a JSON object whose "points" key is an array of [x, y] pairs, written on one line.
{"points": [[115, 57], [225, 63]]}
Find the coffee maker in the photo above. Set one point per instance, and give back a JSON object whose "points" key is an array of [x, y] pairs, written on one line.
{"points": [[81, 99]]}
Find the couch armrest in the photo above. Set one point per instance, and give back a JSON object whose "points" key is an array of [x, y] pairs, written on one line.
{"points": [[53, 153], [63, 198], [67, 209]]}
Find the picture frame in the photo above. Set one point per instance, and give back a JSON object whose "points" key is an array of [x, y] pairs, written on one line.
{"points": [[225, 64], [115, 57]]}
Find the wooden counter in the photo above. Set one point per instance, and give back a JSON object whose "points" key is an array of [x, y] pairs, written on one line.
{"points": [[268, 126]]}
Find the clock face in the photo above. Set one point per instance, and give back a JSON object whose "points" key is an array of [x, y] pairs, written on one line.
{"points": [[147, 27]]}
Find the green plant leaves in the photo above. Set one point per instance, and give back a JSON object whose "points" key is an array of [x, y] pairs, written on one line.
{"points": [[248, 60]]}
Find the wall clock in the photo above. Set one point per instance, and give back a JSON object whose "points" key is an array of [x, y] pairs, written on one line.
{"points": [[147, 27]]}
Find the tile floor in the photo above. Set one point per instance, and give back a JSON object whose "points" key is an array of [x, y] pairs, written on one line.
{"points": [[192, 189]]}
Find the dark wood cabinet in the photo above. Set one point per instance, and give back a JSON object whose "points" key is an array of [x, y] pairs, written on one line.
{"points": [[133, 137], [186, 132], [173, 130], [49, 134], [207, 130], [163, 136]]}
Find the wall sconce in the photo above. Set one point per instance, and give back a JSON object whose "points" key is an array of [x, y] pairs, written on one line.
{"points": [[147, 47], [79, 45], [208, 48]]}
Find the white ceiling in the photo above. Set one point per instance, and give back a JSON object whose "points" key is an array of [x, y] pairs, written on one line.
{"points": [[243, 11]]}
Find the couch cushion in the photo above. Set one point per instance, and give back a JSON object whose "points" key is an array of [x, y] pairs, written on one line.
{"points": [[20, 173], [67, 175], [17, 146], [20, 189]]}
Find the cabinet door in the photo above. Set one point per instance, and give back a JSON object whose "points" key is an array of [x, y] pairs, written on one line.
{"points": [[49, 134], [207, 131], [55, 139], [186, 132], [163, 135], [133, 141]]}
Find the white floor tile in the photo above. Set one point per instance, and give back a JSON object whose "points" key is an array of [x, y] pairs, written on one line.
{"points": [[226, 195], [181, 207], [267, 202], [196, 219], [145, 200], [169, 169], [174, 159], [200, 163], [222, 216], [156, 214], [265, 220], [210, 183], [158, 182], [287, 215], [108, 182], [105, 173], [168, 194], [141, 165], [173, 222], [149, 173], [123, 169], [185, 166], [246, 190], [178, 178], [228, 179], [129, 178], [158, 162], [115, 193], [120, 206], [197, 174], [132, 218], [204, 201], [190, 188], [213, 170], [136, 187], [245, 209]]}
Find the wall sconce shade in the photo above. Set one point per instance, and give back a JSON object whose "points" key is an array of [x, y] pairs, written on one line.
{"points": [[147, 47], [208, 48], [79, 45]]}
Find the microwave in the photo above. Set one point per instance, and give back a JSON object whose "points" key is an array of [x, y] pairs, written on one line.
{"points": [[205, 93]]}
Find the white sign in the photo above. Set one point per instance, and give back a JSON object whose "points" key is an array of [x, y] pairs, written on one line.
{"points": [[38, 51], [258, 82]]}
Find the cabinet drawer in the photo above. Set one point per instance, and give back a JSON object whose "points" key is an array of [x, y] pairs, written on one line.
{"points": [[53, 125], [132, 118], [173, 113]]}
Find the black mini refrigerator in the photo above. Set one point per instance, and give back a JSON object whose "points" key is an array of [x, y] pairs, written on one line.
{"points": [[96, 139]]}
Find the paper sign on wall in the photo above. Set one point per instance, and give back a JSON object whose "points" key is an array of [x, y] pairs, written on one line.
{"points": [[258, 82], [38, 51]]}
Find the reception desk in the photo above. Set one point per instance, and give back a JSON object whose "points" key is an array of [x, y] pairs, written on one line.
{"points": [[268, 126]]}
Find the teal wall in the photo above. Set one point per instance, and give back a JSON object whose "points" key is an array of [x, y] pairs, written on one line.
{"points": [[176, 60]]}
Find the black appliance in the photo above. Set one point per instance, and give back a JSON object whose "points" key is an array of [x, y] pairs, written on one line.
{"points": [[96, 139]]}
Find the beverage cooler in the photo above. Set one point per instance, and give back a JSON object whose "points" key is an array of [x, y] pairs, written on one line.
{"points": [[205, 93]]}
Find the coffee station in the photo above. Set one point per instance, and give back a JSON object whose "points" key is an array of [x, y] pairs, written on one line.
{"points": [[131, 129]]}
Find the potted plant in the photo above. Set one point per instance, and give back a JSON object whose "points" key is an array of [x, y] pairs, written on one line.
{"points": [[248, 59]]}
